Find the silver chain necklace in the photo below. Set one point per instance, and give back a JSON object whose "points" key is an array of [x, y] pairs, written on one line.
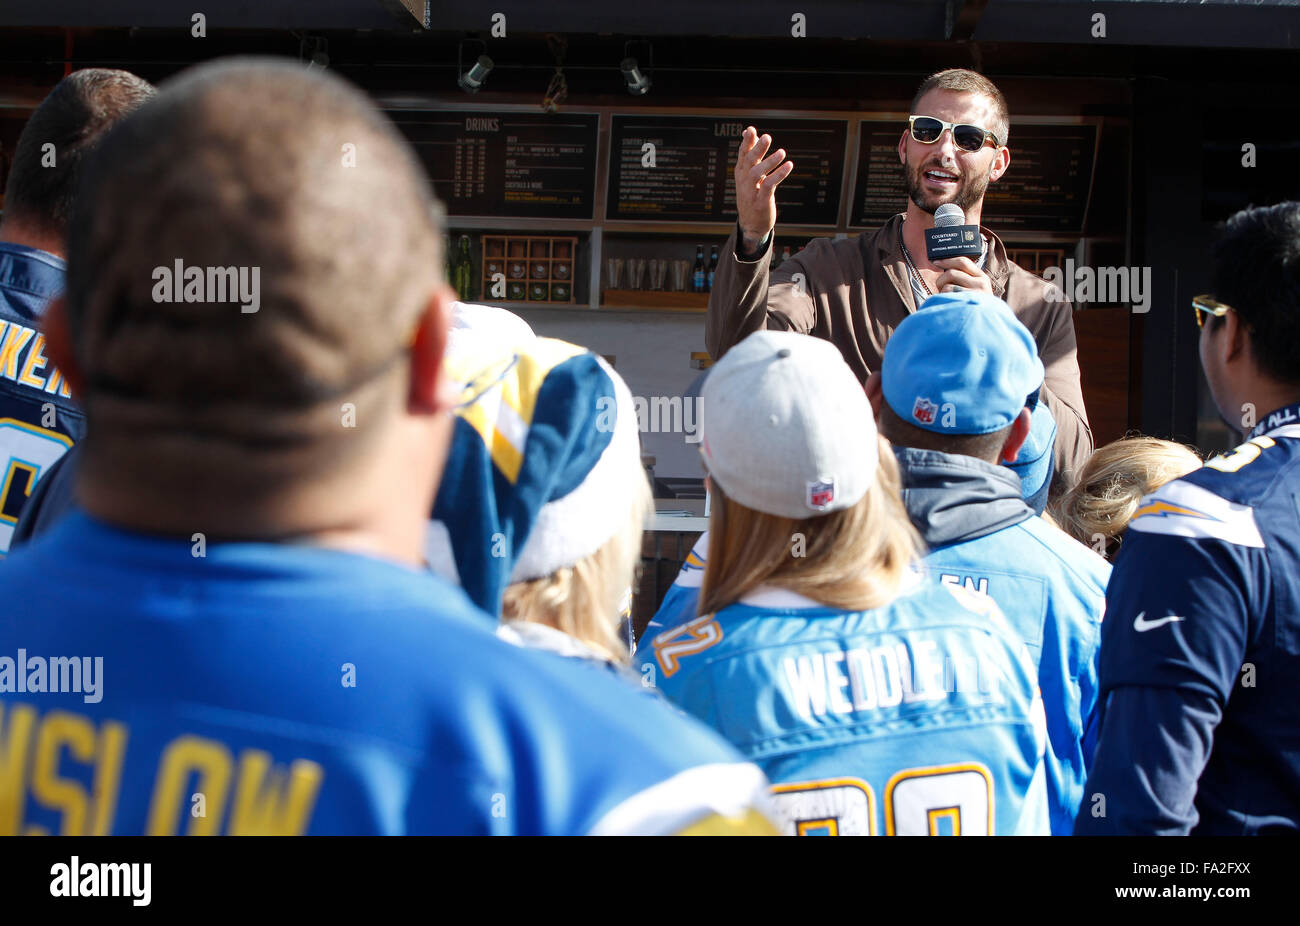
{"points": [[911, 266]]}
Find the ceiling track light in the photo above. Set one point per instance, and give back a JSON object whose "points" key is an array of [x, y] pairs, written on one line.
{"points": [[314, 50], [638, 82], [471, 81]]}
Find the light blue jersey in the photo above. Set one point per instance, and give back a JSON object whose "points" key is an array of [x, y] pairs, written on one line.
{"points": [[921, 717], [1051, 589], [266, 688]]}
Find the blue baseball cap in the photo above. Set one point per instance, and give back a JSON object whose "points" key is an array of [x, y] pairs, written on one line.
{"points": [[1033, 465], [961, 364]]}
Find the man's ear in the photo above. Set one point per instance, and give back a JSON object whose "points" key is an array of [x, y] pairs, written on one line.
{"points": [[428, 394], [1016, 439], [875, 387], [1236, 338], [1001, 161], [58, 345], [902, 147]]}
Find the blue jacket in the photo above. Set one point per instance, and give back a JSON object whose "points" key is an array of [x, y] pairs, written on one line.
{"points": [[1051, 588], [38, 419], [1200, 661]]}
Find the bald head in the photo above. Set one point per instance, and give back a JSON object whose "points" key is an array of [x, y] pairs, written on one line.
{"points": [[252, 172]]}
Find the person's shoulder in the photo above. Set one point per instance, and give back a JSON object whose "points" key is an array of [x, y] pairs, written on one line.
{"points": [[660, 771], [1226, 498], [1078, 561], [1253, 471], [934, 604]]}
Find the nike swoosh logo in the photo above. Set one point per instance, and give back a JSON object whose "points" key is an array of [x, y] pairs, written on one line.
{"points": [[1142, 625]]}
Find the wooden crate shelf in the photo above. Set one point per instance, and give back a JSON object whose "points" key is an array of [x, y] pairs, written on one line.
{"points": [[537, 268]]}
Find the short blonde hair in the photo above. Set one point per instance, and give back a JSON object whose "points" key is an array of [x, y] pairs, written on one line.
{"points": [[585, 600], [1097, 509], [853, 559]]}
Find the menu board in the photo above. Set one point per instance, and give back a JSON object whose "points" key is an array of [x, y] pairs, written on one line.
{"points": [[515, 165], [679, 168], [1045, 189]]}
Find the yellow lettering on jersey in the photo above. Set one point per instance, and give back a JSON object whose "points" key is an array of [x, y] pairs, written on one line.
{"points": [[267, 805], [695, 637], [945, 789], [951, 814], [183, 757], [35, 361], [15, 733], [10, 472], [108, 777], [60, 730], [752, 823], [1246, 453], [14, 343]]}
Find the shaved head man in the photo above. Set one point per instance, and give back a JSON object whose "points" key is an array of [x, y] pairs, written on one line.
{"points": [[255, 320]]}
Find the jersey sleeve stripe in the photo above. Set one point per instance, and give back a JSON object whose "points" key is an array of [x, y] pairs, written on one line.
{"points": [[731, 791]]}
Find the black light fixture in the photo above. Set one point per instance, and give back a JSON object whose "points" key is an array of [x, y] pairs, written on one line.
{"points": [[638, 82], [471, 81], [314, 50]]}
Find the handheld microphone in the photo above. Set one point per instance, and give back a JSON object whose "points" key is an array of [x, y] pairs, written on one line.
{"points": [[951, 236]]}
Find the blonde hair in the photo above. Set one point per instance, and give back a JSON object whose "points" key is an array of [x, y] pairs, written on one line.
{"points": [[853, 559], [1112, 483], [585, 600]]}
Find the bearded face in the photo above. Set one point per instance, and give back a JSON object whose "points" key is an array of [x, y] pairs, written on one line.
{"points": [[931, 182]]}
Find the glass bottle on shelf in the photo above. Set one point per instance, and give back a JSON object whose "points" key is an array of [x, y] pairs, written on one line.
{"points": [[463, 273], [699, 277], [713, 267]]}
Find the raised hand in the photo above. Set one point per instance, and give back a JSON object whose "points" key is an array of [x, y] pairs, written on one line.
{"points": [[757, 176]]}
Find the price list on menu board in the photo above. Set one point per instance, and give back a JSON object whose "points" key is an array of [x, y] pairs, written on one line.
{"points": [[519, 165], [1046, 188], [679, 168]]}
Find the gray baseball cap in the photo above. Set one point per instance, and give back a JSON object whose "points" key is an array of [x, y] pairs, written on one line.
{"points": [[787, 428]]}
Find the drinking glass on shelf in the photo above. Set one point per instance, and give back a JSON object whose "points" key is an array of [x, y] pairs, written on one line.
{"points": [[658, 272], [636, 273], [613, 272], [681, 273]]}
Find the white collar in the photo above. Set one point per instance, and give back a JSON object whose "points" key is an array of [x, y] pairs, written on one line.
{"points": [[531, 635]]}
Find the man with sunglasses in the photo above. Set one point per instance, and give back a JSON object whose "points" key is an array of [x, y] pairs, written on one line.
{"points": [[854, 292], [1200, 649]]}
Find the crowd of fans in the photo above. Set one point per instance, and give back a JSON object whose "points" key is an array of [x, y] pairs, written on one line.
{"points": [[882, 631]]}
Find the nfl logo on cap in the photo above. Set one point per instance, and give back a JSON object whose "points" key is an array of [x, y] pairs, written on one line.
{"points": [[923, 411], [821, 493]]}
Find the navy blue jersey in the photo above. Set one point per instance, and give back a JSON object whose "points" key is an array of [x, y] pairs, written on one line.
{"points": [[1200, 661], [38, 419]]}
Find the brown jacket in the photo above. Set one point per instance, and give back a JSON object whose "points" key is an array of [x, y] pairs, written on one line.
{"points": [[856, 291]]}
